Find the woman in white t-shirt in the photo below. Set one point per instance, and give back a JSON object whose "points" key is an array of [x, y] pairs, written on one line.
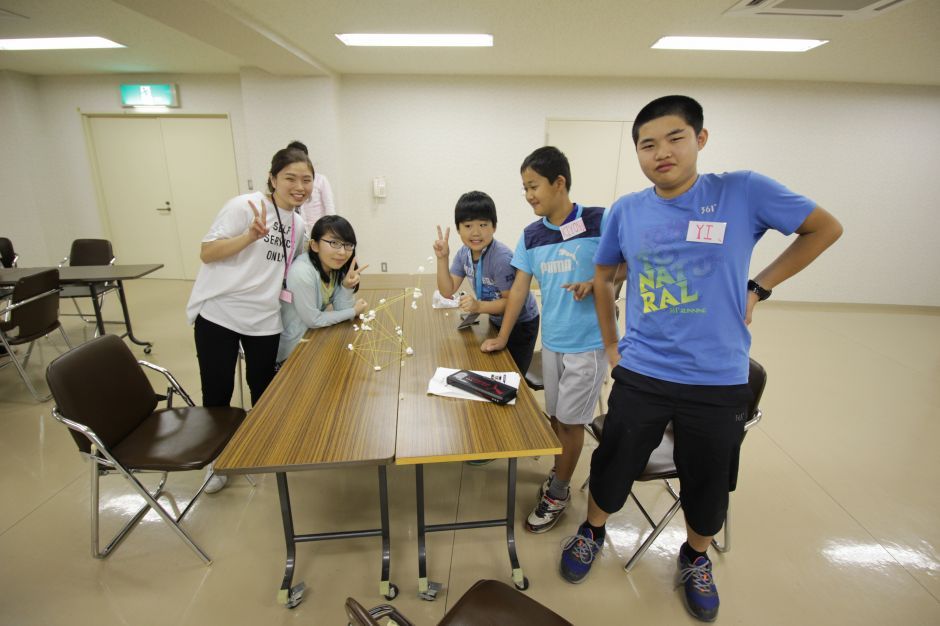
{"points": [[236, 299], [320, 202]]}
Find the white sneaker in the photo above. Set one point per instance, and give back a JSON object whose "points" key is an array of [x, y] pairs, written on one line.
{"points": [[216, 483], [546, 513]]}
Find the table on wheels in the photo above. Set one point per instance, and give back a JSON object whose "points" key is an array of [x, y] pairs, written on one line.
{"points": [[92, 276], [435, 429], [325, 408]]}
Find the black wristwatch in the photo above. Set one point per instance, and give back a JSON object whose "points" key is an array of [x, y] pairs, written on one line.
{"points": [[762, 294]]}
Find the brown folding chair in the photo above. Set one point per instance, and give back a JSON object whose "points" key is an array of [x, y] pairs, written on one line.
{"points": [[486, 603], [104, 397], [7, 256], [31, 313], [661, 466], [88, 252]]}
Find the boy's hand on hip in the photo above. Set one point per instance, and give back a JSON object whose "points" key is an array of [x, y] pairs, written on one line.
{"points": [[493, 345], [752, 299], [441, 247]]}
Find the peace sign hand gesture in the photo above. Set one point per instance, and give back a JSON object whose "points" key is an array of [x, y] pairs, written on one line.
{"points": [[352, 276], [259, 225], [441, 247]]}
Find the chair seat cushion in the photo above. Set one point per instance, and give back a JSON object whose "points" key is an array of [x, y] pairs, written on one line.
{"points": [[179, 439], [492, 603], [661, 464]]}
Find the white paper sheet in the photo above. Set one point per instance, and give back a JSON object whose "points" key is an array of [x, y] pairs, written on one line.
{"points": [[438, 384]]}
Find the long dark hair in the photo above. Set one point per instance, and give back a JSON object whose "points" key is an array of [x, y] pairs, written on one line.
{"points": [[341, 228]]}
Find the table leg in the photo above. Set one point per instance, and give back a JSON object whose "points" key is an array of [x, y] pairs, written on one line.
{"points": [[288, 596], [99, 318], [127, 320], [386, 588], [426, 590], [518, 578]]}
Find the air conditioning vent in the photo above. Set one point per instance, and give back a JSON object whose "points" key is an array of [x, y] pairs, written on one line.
{"points": [[829, 9]]}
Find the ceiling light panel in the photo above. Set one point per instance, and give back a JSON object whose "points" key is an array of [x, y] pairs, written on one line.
{"points": [[58, 43], [416, 40], [738, 44]]}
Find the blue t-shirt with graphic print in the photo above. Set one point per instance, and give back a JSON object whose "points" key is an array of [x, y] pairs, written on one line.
{"points": [[567, 325], [497, 277], [688, 260]]}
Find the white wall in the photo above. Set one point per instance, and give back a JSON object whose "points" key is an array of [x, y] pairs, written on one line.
{"points": [[66, 201], [24, 175], [867, 153]]}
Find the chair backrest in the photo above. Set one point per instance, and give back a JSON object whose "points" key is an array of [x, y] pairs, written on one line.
{"points": [[40, 316], [756, 380], [7, 255], [91, 252], [100, 384]]}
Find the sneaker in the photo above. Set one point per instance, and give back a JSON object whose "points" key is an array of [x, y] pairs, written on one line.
{"points": [[543, 488], [479, 462], [216, 483], [546, 513], [578, 553], [700, 595]]}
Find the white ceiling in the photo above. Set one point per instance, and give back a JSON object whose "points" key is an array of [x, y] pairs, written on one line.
{"points": [[532, 38]]}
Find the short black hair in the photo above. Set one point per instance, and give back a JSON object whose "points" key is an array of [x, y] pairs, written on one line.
{"points": [[339, 227], [474, 205], [681, 106], [549, 162]]}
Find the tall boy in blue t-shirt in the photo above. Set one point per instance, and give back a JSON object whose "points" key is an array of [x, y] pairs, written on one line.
{"points": [[558, 250], [687, 243]]}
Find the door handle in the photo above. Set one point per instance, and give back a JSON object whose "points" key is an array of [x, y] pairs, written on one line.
{"points": [[166, 208]]}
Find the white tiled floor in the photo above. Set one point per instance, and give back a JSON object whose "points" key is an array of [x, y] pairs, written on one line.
{"points": [[836, 519]]}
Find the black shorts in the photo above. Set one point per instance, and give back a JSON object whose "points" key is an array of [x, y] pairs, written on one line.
{"points": [[708, 422], [521, 343]]}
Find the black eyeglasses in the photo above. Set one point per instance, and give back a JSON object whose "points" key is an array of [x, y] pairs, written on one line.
{"points": [[336, 245]]}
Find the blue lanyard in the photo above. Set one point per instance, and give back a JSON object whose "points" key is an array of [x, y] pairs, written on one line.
{"points": [[478, 274]]}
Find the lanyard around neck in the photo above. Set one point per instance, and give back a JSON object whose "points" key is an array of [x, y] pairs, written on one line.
{"points": [[478, 274]]}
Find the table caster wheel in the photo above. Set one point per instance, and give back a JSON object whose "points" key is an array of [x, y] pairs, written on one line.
{"points": [[524, 585], [147, 349], [392, 592]]}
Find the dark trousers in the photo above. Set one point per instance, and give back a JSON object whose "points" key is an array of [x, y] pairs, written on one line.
{"points": [[217, 351], [708, 425], [521, 342]]}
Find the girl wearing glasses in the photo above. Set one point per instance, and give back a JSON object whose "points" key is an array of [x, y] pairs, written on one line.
{"points": [[327, 275]]}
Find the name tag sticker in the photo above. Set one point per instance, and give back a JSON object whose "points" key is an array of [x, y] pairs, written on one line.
{"points": [[706, 232], [286, 296], [571, 229]]}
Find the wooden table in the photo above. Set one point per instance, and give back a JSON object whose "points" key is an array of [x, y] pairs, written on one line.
{"points": [[92, 276], [434, 429], [326, 407]]}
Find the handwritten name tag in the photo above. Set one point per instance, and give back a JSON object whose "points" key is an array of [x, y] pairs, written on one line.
{"points": [[571, 229], [706, 232]]}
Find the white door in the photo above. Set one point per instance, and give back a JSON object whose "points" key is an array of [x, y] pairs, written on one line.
{"points": [[162, 180]]}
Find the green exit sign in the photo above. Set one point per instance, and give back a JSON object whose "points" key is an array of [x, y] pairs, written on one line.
{"points": [[149, 95]]}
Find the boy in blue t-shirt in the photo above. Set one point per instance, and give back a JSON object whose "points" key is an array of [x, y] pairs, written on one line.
{"points": [[687, 243], [485, 263], [558, 250]]}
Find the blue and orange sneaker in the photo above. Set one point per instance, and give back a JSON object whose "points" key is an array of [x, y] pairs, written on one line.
{"points": [[699, 593], [578, 553]]}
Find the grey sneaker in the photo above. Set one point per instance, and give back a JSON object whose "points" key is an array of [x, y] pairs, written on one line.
{"points": [[546, 512]]}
